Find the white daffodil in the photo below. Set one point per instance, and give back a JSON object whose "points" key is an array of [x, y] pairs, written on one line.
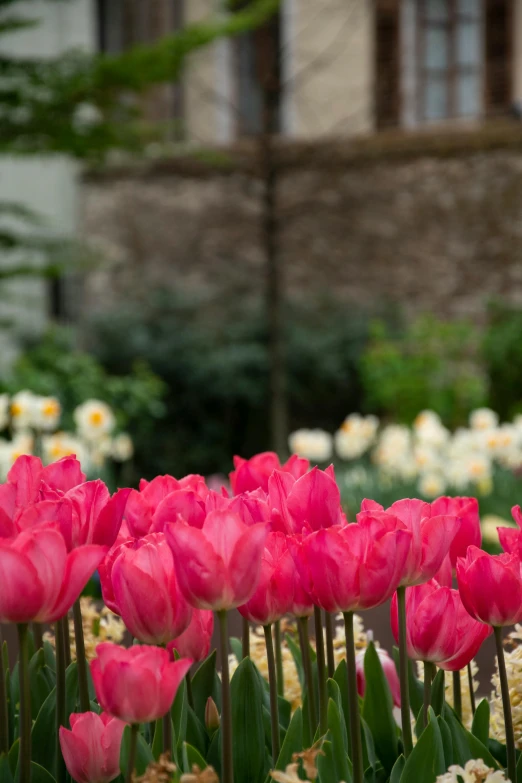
{"points": [[94, 419]]}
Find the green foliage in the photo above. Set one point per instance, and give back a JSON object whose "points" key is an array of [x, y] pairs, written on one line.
{"points": [[502, 350], [55, 366], [430, 364], [216, 372]]}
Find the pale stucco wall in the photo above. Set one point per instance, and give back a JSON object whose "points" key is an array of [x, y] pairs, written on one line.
{"points": [[208, 84], [328, 61]]}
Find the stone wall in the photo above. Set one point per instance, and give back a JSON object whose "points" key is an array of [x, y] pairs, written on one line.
{"points": [[430, 223]]}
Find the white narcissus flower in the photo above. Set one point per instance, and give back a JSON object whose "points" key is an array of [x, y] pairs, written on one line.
{"points": [[4, 411], [122, 447], [46, 413], [355, 435], [22, 410], [315, 445], [475, 771], [483, 419], [94, 419], [432, 485], [63, 444]]}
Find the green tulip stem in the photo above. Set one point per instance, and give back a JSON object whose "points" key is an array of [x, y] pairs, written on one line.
{"points": [[302, 624], [329, 628], [245, 640], [37, 635], [279, 658], [471, 691], [190, 697], [508, 719], [66, 640], [353, 701], [60, 699], [457, 694], [272, 681], [226, 705], [81, 659], [407, 739], [24, 756], [321, 671], [4, 712], [132, 752], [429, 671], [167, 734]]}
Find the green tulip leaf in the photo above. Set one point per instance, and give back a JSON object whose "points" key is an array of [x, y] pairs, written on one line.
{"points": [[157, 740], [190, 757], [466, 745], [447, 741], [40, 775], [437, 693], [179, 719], [237, 648], [196, 733], [143, 753], [205, 683], [397, 770], [293, 741], [378, 709], [426, 760], [339, 743], [249, 756], [14, 752], [480, 726], [5, 769]]}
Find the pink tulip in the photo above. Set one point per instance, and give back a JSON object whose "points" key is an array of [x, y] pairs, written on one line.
{"points": [[40, 581], [274, 593], [251, 474], [91, 750], [142, 505], [217, 566], [353, 567], [432, 535], [511, 537], [491, 586], [311, 502], [89, 515], [146, 591], [32, 480], [469, 532], [137, 685], [390, 672], [195, 641], [438, 627]]}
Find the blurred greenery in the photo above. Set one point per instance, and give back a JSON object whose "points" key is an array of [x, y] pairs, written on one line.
{"points": [[216, 373], [55, 366], [428, 364], [502, 351]]}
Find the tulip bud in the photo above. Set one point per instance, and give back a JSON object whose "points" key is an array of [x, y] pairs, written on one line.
{"points": [[212, 719]]}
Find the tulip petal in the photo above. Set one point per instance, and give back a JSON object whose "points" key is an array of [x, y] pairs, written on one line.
{"points": [[76, 756], [26, 474], [245, 563], [80, 565], [199, 570], [106, 527], [22, 591]]}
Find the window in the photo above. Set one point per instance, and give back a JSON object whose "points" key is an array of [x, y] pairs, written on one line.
{"points": [[258, 77], [451, 56]]}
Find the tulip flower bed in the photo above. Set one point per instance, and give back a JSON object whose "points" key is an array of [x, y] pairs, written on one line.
{"points": [[175, 557]]}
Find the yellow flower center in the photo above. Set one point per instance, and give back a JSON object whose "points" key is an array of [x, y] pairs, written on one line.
{"points": [[96, 418], [51, 409], [16, 409]]}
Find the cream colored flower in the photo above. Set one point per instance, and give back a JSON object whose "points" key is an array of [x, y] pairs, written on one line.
{"points": [[475, 771], [483, 419], [94, 419], [309, 758], [63, 444], [22, 410], [46, 413], [290, 775], [432, 485], [122, 447], [513, 659], [489, 525], [160, 771], [315, 445], [99, 625], [355, 435], [207, 775]]}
